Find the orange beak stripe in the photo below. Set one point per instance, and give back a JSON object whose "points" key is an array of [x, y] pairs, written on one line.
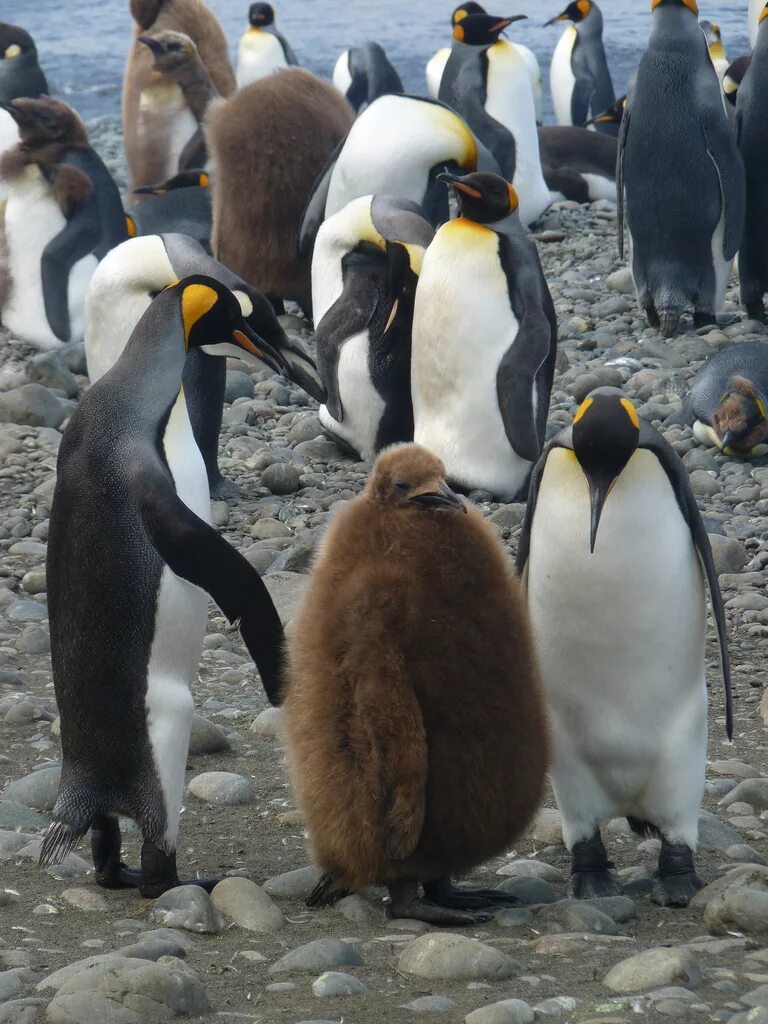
{"points": [[245, 342], [467, 189]]}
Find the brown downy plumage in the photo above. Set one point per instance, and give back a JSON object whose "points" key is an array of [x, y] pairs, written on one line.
{"points": [[146, 149], [176, 57], [740, 420], [414, 714], [269, 142]]}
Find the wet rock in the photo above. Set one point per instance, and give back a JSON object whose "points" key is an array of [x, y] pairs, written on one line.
{"points": [[33, 405], [445, 956], [335, 983], [188, 907], [221, 788], [246, 904], [207, 737], [508, 1011], [37, 790], [319, 955], [654, 968]]}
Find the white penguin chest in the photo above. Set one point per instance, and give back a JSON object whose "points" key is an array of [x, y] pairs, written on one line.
{"points": [[9, 137], [259, 54], [434, 71], [361, 403], [166, 120], [562, 79], [341, 78]]}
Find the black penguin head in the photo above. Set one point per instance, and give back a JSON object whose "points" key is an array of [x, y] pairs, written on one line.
{"points": [[481, 29], [613, 114], [463, 10], [605, 435], [14, 41], [483, 197], [171, 50], [185, 179], [692, 6], [740, 420], [575, 12], [260, 15], [407, 477], [734, 76], [44, 120]]}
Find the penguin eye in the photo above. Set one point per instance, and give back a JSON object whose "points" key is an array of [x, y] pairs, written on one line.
{"points": [[402, 487]]}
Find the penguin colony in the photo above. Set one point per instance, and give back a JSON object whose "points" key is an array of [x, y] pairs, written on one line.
{"points": [[428, 686]]}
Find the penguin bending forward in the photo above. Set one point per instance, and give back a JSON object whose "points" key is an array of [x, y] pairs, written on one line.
{"points": [[484, 342], [412, 688], [363, 73], [262, 49], [612, 542], [132, 559]]}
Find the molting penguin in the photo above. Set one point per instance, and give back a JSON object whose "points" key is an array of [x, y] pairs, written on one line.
{"points": [[365, 268], [363, 73], [131, 562], [121, 291], [613, 540], [262, 48], [714, 39], [578, 164], [485, 81], [752, 139], [728, 399], [682, 242], [579, 77], [157, 122], [62, 216], [259, 191], [182, 204], [20, 75], [484, 342], [413, 689]]}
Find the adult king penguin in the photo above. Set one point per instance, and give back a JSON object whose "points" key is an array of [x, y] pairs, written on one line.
{"points": [[675, 128], [181, 205], [363, 73], [121, 291], [484, 342], [612, 541], [20, 75], [752, 139], [753, 20], [714, 38], [365, 268], [485, 81], [131, 562], [579, 76], [262, 49]]}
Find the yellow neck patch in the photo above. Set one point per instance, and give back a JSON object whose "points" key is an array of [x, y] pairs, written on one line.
{"points": [[717, 51], [196, 301], [584, 6], [690, 4], [130, 226], [763, 14], [631, 412], [582, 409]]}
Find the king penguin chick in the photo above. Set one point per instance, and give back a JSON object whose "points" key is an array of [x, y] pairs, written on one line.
{"points": [[157, 122], [363, 73], [675, 128], [262, 49], [20, 75], [486, 82], [752, 139], [484, 342], [414, 719], [714, 38], [132, 559], [122, 290], [63, 215], [580, 79], [612, 541], [365, 268]]}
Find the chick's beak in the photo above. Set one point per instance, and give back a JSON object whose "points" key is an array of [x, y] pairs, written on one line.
{"points": [[152, 44], [442, 498]]}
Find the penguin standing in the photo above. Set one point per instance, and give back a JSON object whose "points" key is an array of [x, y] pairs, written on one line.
{"points": [[612, 543], [682, 241], [157, 121], [365, 268], [485, 81], [182, 204], [121, 291], [412, 689], [714, 38], [752, 139], [262, 49], [484, 342], [131, 562], [753, 20], [62, 216], [579, 76], [363, 73], [20, 75]]}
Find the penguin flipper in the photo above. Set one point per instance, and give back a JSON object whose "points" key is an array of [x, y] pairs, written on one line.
{"points": [[678, 478], [314, 212], [516, 382], [722, 148], [290, 56], [581, 99], [524, 541], [197, 553], [195, 152], [621, 149], [78, 238]]}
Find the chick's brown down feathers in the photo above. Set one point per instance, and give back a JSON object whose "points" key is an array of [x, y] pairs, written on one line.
{"points": [[415, 720]]}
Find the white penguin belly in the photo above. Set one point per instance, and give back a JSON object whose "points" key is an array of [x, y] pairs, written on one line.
{"points": [[258, 55], [509, 100], [600, 187], [533, 71], [341, 76], [561, 77], [180, 621], [435, 69], [164, 115], [721, 265], [459, 340], [9, 137], [363, 406], [620, 636], [32, 219]]}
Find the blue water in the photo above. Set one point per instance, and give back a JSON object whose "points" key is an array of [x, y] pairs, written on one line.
{"points": [[83, 43]]}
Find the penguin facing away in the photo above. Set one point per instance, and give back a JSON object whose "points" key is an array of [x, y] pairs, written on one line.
{"points": [[121, 291], [752, 140], [181, 205], [483, 356], [262, 49], [131, 562], [580, 79], [63, 214], [365, 268], [682, 242], [363, 73], [611, 525], [714, 38], [412, 688], [728, 399]]}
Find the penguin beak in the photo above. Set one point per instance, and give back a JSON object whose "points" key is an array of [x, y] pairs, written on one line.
{"points": [[302, 371], [503, 23], [561, 17], [727, 440], [249, 341], [601, 118], [152, 44], [598, 493], [455, 181], [149, 190], [442, 498]]}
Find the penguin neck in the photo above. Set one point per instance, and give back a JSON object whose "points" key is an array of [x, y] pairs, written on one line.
{"points": [[761, 44], [196, 84], [675, 25], [152, 365]]}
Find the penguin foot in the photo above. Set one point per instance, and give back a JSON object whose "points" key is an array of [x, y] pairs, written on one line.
{"points": [[652, 317], [159, 874], [222, 489], [407, 903], [669, 324], [593, 885], [110, 871], [444, 894], [703, 319], [676, 882]]}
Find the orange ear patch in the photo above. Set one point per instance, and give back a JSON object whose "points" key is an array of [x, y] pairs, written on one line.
{"points": [[583, 408], [196, 301], [631, 412]]}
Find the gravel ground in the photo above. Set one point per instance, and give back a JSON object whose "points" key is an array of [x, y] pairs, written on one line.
{"points": [[710, 962]]}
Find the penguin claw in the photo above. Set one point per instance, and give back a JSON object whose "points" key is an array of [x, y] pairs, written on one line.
{"points": [[423, 910], [669, 324], [675, 890], [123, 878], [454, 898], [591, 885]]}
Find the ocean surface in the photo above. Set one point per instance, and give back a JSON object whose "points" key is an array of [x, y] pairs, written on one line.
{"points": [[83, 43]]}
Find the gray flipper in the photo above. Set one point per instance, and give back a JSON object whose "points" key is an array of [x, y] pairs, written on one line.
{"points": [[314, 212], [196, 553], [722, 148], [78, 238], [195, 152], [524, 541], [623, 133], [290, 56], [568, 182], [581, 97]]}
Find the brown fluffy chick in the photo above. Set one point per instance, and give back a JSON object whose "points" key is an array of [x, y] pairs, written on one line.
{"points": [[414, 715]]}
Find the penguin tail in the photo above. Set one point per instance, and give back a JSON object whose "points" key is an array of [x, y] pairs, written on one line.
{"points": [[326, 892], [59, 841], [644, 829]]}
